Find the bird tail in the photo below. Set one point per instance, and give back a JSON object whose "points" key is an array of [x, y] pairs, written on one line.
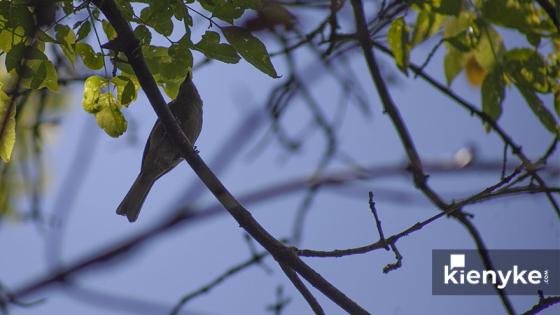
{"points": [[134, 199]]}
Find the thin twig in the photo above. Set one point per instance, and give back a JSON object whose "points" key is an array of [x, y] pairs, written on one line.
{"points": [[377, 221]]}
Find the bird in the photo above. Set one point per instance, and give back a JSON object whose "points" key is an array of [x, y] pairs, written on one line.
{"points": [[160, 153]]}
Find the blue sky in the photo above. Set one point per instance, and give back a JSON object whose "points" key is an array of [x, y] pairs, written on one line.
{"points": [[186, 258]]}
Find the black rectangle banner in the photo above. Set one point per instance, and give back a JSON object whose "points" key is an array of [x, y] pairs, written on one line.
{"points": [[517, 272]]}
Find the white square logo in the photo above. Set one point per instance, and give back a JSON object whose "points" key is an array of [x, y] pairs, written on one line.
{"points": [[457, 261]]}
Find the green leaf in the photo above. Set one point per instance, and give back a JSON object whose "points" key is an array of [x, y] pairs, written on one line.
{"points": [[515, 14], [427, 24], [169, 66], [109, 30], [527, 67], [546, 118], [210, 46], [45, 37], [557, 103], [158, 16], [143, 34], [7, 126], [126, 8], [16, 55], [39, 75], [446, 7], [397, 37], [90, 58], [453, 64], [84, 30], [16, 16], [534, 39], [164, 66], [66, 37], [51, 79], [250, 48], [37, 71], [92, 91], [109, 118], [468, 38], [9, 38], [128, 94], [226, 10], [181, 13], [490, 47], [126, 89], [457, 25], [492, 93]]}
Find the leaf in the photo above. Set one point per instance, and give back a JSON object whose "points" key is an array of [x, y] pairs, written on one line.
{"points": [[126, 89], [7, 126], [250, 48], [90, 58], [468, 38], [39, 74], [143, 34], [84, 30], [210, 46], [490, 47], [158, 16], [457, 25], [51, 79], [427, 24], [16, 16], [163, 65], [546, 118], [453, 64], [45, 37], [126, 8], [227, 10], [109, 118], [557, 103], [511, 13], [446, 7], [527, 67], [534, 39], [397, 37], [449, 7], [19, 52], [169, 66], [109, 30], [9, 39], [65, 36], [128, 94], [474, 71], [92, 91], [492, 93]]}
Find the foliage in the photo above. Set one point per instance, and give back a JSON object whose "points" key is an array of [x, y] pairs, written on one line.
{"points": [[25, 40], [169, 65], [472, 36]]}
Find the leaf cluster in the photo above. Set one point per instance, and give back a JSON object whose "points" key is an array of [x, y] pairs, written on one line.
{"points": [[470, 32], [78, 31]]}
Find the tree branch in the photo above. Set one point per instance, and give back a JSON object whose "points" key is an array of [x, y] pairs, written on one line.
{"points": [[278, 250]]}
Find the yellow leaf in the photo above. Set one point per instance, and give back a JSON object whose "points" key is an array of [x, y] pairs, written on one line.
{"points": [[475, 73], [7, 126]]}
